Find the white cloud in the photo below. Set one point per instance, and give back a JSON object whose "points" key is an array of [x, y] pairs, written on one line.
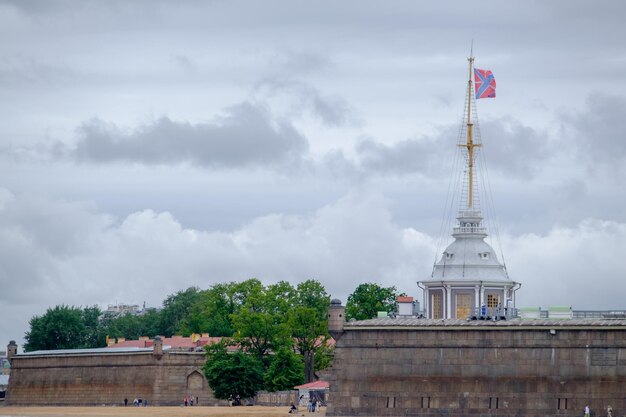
{"points": [[580, 266], [86, 257], [79, 256]]}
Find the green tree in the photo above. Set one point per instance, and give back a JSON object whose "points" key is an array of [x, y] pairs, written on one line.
{"points": [[312, 294], [211, 312], [285, 371], [176, 309], [308, 332], [232, 374], [61, 327], [95, 334], [324, 354], [368, 299], [260, 326]]}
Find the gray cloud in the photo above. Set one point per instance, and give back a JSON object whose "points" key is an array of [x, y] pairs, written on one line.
{"points": [[512, 148], [332, 110], [286, 74], [407, 156], [596, 134], [245, 136]]}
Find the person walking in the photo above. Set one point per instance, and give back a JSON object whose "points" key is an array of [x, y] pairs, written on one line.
{"points": [[587, 412]]}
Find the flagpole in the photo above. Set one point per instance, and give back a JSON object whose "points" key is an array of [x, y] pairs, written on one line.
{"points": [[470, 133]]}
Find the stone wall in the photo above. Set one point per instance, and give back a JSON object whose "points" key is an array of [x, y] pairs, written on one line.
{"points": [[479, 370], [277, 398], [108, 378]]}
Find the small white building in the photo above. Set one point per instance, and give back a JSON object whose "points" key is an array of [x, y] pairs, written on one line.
{"points": [[316, 390], [468, 276]]}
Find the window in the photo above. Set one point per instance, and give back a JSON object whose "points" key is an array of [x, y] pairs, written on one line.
{"points": [[561, 404], [437, 305], [425, 402], [463, 305], [494, 402], [391, 402], [493, 300]]}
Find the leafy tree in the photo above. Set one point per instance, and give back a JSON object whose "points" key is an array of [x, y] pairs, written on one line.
{"points": [[280, 298], [259, 324], [95, 334], [285, 371], [307, 330], [312, 294], [211, 311], [128, 326], [324, 355], [232, 374], [61, 327], [368, 299], [176, 309]]}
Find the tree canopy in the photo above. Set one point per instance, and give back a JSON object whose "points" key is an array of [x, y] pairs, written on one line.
{"points": [[368, 299], [277, 333], [64, 327]]}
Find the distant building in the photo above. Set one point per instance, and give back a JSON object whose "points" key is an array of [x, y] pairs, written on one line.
{"points": [[5, 366], [116, 310], [4, 385], [195, 342]]}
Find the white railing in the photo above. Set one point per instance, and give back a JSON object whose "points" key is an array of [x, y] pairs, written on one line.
{"points": [[470, 229]]}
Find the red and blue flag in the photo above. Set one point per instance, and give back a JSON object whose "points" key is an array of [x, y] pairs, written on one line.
{"points": [[485, 83]]}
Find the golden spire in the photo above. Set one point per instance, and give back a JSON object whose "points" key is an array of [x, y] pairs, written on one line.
{"points": [[470, 145]]}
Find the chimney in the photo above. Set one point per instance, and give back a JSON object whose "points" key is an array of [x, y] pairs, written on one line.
{"points": [[11, 350], [336, 319], [157, 348]]}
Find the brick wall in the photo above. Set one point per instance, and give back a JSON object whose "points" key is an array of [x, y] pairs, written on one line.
{"points": [[460, 371], [108, 378]]}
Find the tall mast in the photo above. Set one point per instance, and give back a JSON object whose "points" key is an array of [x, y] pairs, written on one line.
{"points": [[470, 145]]}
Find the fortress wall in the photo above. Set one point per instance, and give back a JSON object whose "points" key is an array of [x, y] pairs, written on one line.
{"points": [[478, 372], [107, 378]]}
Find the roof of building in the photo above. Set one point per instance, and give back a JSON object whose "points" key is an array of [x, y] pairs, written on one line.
{"points": [[404, 299], [175, 342], [315, 385], [109, 350], [469, 258], [426, 324]]}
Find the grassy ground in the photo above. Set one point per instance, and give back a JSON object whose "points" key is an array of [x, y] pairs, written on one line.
{"points": [[256, 411]]}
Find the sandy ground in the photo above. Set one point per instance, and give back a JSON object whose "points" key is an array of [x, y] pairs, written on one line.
{"points": [[256, 411]]}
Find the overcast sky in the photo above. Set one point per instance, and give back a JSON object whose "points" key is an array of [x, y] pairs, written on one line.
{"points": [[149, 146]]}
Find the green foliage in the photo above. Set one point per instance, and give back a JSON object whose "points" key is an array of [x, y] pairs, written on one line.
{"points": [[211, 312], [306, 329], [286, 370], [232, 374], [176, 309], [368, 299], [280, 330], [64, 327], [324, 355], [260, 321], [133, 326], [312, 294]]}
